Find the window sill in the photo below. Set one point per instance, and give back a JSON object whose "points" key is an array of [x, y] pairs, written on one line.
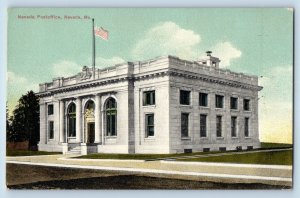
{"points": [[149, 106], [149, 139], [220, 138], [204, 107], [185, 105], [235, 110], [234, 137], [248, 138], [247, 111], [185, 138], [71, 137], [217, 108], [203, 138], [111, 137]]}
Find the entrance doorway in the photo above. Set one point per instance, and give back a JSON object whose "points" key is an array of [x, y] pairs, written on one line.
{"points": [[91, 132]]}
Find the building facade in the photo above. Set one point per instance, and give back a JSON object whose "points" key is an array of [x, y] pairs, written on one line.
{"points": [[162, 105]]}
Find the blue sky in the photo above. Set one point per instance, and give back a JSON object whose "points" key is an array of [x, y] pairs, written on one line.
{"points": [[254, 41]]}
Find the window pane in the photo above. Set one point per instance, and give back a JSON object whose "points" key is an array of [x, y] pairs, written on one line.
{"points": [[72, 108], [108, 125], [219, 101], [149, 125], [233, 126], [72, 126], [50, 109], [150, 119], [111, 117], [51, 130], [149, 98], [184, 97], [153, 97], [246, 104], [202, 125], [233, 103], [150, 130], [113, 125], [203, 99], [219, 126], [246, 127], [184, 124]]}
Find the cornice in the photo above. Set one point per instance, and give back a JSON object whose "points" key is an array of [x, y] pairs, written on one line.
{"points": [[211, 79], [138, 77]]}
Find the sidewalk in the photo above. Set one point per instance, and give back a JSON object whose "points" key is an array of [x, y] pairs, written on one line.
{"points": [[200, 171]]}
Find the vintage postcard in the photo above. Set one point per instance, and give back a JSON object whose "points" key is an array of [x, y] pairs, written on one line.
{"points": [[149, 98]]}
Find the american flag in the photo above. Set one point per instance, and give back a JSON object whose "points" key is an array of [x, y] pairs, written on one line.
{"points": [[102, 33]]}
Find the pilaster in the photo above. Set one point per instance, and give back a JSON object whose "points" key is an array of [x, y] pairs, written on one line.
{"points": [[97, 118], [61, 121], [78, 119]]}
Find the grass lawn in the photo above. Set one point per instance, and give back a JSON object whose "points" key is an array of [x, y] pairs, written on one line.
{"points": [[278, 157], [268, 145], [143, 156], [273, 157], [29, 153]]}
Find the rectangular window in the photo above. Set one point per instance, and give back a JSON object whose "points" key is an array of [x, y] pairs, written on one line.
{"points": [[148, 98], [185, 97], [149, 125], [246, 104], [233, 127], [219, 101], [233, 103], [50, 109], [203, 125], [51, 129], [203, 99], [249, 147], [222, 148], [184, 124], [219, 126], [246, 127]]}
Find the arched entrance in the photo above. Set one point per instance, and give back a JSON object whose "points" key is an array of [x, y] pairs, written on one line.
{"points": [[89, 122]]}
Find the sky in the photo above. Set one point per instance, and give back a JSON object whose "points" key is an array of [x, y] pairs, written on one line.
{"points": [[257, 41]]}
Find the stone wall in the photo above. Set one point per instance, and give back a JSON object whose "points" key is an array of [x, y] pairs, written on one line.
{"points": [[194, 141]]}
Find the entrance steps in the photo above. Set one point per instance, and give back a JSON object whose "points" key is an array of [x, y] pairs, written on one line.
{"points": [[75, 150]]}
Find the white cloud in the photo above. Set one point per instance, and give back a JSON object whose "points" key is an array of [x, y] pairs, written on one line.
{"points": [[106, 62], [275, 76], [226, 52], [167, 38], [16, 81], [18, 85], [65, 68]]}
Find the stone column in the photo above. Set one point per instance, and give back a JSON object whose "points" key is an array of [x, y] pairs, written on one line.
{"points": [[61, 121], [78, 120], [43, 123], [102, 127], [97, 118]]}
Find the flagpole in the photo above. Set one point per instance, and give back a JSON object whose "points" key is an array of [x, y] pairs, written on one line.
{"points": [[94, 50]]}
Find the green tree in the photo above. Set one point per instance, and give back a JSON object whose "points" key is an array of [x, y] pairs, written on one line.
{"points": [[8, 127], [25, 123]]}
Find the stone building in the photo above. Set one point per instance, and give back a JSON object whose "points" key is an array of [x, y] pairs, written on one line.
{"points": [[162, 105]]}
